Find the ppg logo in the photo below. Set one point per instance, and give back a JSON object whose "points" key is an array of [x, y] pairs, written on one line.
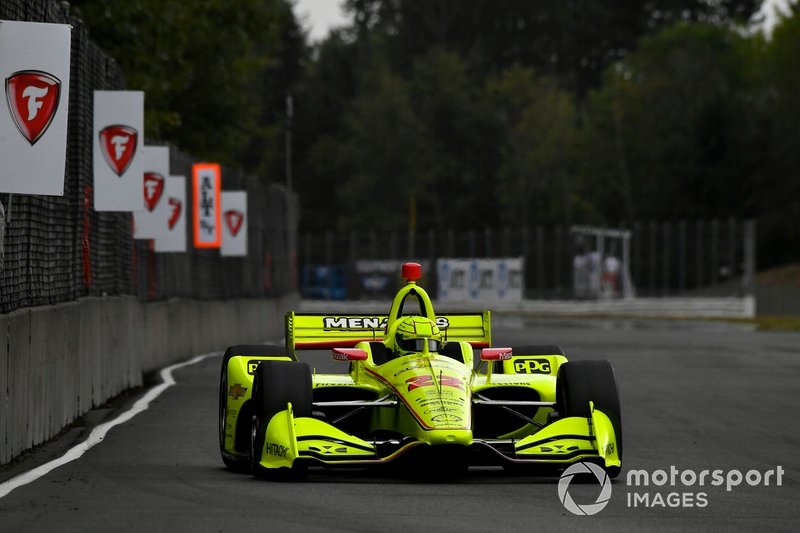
{"points": [[531, 366]]}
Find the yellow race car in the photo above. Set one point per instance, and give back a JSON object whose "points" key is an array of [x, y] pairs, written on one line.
{"points": [[413, 392]]}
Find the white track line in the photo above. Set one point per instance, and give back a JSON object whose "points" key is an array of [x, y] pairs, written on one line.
{"points": [[98, 434]]}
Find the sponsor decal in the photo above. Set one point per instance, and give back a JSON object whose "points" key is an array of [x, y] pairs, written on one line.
{"points": [[427, 381], [358, 322], [328, 450], [424, 402], [234, 219], [237, 391], [531, 365], [441, 410], [252, 365], [32, 97], [278, 450], [367, 322], [207, 205], [446, 419], [118, 145], [175, 206], [153, 189], [206, 197], [412, 367]]}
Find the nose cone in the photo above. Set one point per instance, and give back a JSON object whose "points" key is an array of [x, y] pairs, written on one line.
{"points": [[439, 437], [444, 411]]}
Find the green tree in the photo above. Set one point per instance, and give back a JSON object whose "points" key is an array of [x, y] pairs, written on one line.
{"points": [[458, 162], [214, 72], [670, 130], [777, 190], [570, 40], [328, 89], [384, 144], [536, 177]]}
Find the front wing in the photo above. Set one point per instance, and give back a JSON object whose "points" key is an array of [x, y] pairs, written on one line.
{"points": [[563, 442]]}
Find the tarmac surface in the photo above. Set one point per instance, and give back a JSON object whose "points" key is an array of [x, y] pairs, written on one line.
{"points": [[695, 397]]}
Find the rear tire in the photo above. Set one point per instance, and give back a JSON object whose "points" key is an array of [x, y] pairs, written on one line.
{"points": [[275, 384], [238, 463], [582, 381]]}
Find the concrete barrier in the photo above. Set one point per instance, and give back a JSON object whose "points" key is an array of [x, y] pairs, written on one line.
{"points": [[58, 362], [778, 301]]}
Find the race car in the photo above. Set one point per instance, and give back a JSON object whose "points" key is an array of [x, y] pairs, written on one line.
{"points": [[413, 393]]}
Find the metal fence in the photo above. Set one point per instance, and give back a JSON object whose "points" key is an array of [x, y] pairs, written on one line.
{"points": [[699, 258], [56, 249]]}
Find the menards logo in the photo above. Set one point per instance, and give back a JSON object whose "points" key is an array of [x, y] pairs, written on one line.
{"points": [[367, 322]]}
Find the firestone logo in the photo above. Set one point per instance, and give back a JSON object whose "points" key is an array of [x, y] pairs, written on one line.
{"points": [[176, 207], [153, 189], [32, 97], [118, 145], [234, 220]]}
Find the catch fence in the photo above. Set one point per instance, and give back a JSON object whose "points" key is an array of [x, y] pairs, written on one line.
{"points": [[664, 259]]}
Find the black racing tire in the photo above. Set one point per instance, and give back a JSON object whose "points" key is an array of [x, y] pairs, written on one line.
{"points": [[275, 384], [239, 463], [582, 381], [235, 463]]}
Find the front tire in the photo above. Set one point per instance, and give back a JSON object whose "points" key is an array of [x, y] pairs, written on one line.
{"points": [[580, 382], [238, 462], [275, 384]]}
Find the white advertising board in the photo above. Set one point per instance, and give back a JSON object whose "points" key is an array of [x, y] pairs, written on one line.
{"points": [[234, 224], [173, 238], [34, 69], [149, 222], [118, 143], [480, 280]]}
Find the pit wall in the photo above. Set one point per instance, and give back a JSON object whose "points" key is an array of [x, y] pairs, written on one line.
{"points": [[58, 362]]}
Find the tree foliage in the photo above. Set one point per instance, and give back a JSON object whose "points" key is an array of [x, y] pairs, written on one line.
{"points": [[671, 122], [448, 114], [214, 72]]}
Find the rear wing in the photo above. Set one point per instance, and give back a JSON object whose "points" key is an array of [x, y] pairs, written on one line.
{"points": [[319, 332]]}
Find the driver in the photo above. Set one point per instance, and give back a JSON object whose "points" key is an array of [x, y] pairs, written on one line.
{"points": [[413, 333]]}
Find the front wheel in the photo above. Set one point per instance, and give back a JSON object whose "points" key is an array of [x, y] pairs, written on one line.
{"points": [[580, 382], [235, 463], [276, 384], [236, 459]]}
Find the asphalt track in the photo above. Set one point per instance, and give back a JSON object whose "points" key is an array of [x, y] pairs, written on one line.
{"points": [[700, 396]]}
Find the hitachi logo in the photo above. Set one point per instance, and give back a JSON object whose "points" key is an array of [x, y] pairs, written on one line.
{"points": [[278, 450]]}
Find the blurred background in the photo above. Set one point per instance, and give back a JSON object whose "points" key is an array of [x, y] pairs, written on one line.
{"points": [[651, 144]]}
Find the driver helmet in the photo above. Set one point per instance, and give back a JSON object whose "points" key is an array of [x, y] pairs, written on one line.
{"points": [[413, 332]]}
